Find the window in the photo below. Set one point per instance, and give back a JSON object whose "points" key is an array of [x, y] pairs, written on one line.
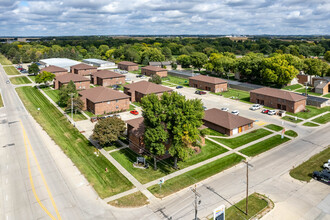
{"points": [[117, 107]]}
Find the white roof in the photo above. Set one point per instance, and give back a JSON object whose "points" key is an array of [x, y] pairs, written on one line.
{"points": [[98, 61], [60, 62]]}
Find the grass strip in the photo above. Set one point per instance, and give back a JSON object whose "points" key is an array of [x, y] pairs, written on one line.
{"points": [[311, 112], [292, 87], [1, 102], [20, 80], [274, 127], [212, 132], [305, 170], [322, 119], [133, 200], [74, 144], [32, 77], [291, 119], [243, 139], [256, 203], [327, 95], [309, 91], [291, 133], [10, 70], [264, 145], [191, 177], [310, 124], [4, 60]]}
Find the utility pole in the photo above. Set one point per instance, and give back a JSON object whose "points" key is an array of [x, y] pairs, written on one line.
{"points": [[247, 185], [71, 95], [306, 88], [197, 202]]}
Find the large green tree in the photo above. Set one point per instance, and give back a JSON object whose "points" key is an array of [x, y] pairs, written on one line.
{"points": [[45, 77], [184, 61], [327, 56], [152, 54], [198, 60], [76, 103], [108, 130], [313, 66], [155, 79], [66, 91], [33, 69]]}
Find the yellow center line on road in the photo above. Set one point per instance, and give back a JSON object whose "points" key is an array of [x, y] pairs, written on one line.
{"points": [[26, 144]]}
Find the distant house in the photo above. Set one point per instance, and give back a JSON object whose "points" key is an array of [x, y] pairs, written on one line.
{"points": [[83, 69], [279, 99], [321, 85], [152, 70], [208, 83], [164, 64], [80, 81], [128, 66], [55, 70], [304, 78], [102, 100], [225, 122], [140, 89], [107, 78], [100, 63]]}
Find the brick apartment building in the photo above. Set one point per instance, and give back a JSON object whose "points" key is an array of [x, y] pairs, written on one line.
{"points": [[208, 83], [140, 89], [107, 78], [58, 71], [102, 100], [83, 69], [128, 66], [225, 122], [80, 81], [152, 70], [279, 99]]}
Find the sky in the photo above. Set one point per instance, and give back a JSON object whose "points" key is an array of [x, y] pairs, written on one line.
{"points": [[164, 17]]}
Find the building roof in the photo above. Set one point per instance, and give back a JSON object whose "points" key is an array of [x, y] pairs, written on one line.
{"points": [[138, 126], [82, 66], [154, 68], [53, 69], [98, 61], [106, 74], [277, 93], [155, 63], [61, 62], [70, 76], [322, 84], [102, 94], [208, 79], [127, 63], [146, 87], [225, 119]]}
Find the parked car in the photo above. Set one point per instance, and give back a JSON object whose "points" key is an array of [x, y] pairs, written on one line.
{"points": [[255, 107], [127, 79], [326, 166], [224, 109], [199, 92], [179, 87], [271, 112], [265, 111], [116, 87], [134, 112], [323, 175], [139, 76], [24, 71], [204, 107], [235, 112], [7, 81]]}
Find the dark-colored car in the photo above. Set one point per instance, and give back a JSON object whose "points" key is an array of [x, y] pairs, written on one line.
{"points": [[179, 87], [139, 76], [116, 87], [323, 175], [199, 92]]}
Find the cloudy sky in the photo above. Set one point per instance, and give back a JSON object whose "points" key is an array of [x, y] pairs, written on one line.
{"points": [[116, 17]]}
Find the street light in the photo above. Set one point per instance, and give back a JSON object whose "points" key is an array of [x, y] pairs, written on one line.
{"points": [[247, 183]]}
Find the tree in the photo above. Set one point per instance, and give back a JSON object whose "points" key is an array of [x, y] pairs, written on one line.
{"points": [[108, 130], [327, 56], [155, 79], [313, 66], [152, 54], [198, 60], [33, 69], [45, 77], [167, 53], [77, 104], [65, 91], [184, 60], [220, 63]]}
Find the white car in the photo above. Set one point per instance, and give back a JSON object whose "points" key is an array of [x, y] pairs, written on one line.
{"points": [[326, 166], [224, 109], [255, 107], [235, 112], [271, 112], [127, 79]]}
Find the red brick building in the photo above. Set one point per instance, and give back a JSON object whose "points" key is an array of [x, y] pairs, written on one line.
{"points": [[128, 66], [279, 99], [102, 100], [152, 70], [225, 122], [58, 71], [107, 78], [80, 81], [140, 89], [208, 83], [83, 69]]}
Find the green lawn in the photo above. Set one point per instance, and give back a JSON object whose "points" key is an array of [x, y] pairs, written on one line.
{"points": [[168, 84], [112, 146], [327, 95], [20, 80], [291, 119], [243, 139], [127, 157], [310, 124], [291, 133], [133, 200], [264, 145], [293, 87], [274, 127], [194, 176], [176, 80], [1, 102], [309, 91], [311, 112], [131, 107], [90, 114], [137, 104], [255, 204], [10, 70], [322, 119], [305, 170], [4, 60], [136, 71], [212, 132], [32, 77], [237, 94], [74, 145]]}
